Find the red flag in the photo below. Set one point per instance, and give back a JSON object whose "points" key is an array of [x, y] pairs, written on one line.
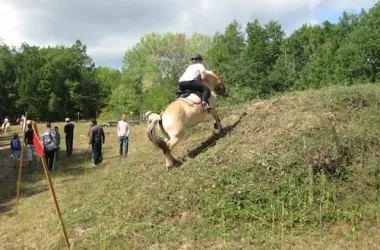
{"points": [[37, 144]]}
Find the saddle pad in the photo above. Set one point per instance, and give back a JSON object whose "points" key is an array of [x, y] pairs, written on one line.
{"points": [[194, 98]]}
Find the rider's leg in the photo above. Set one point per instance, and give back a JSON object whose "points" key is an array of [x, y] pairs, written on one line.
{"points": [[198, 86], [183, 86], [205, 93]]}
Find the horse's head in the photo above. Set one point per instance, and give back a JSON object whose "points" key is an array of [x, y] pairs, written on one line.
{"points": [[216, 82]]}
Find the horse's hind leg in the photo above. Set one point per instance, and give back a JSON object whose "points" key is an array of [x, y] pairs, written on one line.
{"points": [[170, 160]]}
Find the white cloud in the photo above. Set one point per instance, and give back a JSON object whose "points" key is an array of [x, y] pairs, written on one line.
{"points": [[109, 28], [10, 23]]}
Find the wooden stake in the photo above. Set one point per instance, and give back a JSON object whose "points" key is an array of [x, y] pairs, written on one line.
{"points": [[47, 175], [44, 163]]}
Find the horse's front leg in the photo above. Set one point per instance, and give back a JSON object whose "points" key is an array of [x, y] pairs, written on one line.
{"points": [[217, 125]]}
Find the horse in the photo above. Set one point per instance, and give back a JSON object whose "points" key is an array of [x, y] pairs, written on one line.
{"points": [[5, 127], [181, 114]]}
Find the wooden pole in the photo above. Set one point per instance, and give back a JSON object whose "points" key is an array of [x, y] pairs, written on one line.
{"points": [[44, 163], [21, 158]]}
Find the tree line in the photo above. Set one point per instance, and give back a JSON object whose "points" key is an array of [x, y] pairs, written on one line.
{"points": [[51, 83], [256, 61]]}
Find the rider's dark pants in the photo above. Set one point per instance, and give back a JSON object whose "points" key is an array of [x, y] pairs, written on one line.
{"points": [[196, 85]]}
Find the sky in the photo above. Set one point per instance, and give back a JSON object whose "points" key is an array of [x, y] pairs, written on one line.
{"points": [[110, 27]]}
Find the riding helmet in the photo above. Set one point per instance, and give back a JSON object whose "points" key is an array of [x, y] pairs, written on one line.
{"points": [[197, 57]]}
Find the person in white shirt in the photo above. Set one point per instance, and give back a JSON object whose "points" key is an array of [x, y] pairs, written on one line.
{"points": [[123, 133], [192, 80]]}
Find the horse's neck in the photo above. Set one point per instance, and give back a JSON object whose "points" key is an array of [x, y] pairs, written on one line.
{"points": [[207, 83], [211, 78]]}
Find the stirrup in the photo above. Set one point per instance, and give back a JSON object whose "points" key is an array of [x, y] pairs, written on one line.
{"points": [[206, 107]]}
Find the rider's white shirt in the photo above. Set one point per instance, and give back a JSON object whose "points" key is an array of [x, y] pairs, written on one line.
{"points": [[192, 72], [6, 121]]}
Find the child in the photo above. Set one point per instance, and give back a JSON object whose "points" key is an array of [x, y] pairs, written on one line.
{"points": [[16, 149]]}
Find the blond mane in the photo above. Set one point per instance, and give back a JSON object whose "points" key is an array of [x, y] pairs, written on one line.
{"points": [[212, 82], [209, 72]]}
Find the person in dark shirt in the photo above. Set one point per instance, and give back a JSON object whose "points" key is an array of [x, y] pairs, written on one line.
{"points": [[69, 131], [97, 138], [28, 140]]}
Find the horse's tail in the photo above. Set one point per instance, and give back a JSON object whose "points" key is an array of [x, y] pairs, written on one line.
{"points": [[153, 137]]}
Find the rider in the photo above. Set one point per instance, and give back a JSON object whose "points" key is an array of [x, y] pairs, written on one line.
{"points": [[6, 121], [192, 79]]}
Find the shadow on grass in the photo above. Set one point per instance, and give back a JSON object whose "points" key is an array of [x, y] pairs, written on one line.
{"points": [[5, 139], [5, 208], [33, 180], [211, 141]]}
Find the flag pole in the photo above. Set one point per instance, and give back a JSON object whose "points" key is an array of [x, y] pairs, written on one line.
{"points": [[44, 163], [21, 157]]}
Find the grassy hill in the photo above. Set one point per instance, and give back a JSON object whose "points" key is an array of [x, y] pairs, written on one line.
{"points": [[297, 171]]}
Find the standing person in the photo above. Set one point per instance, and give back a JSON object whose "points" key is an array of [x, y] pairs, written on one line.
{"points": [[69, 131], [28, 140], [57, 140], [97, 138], [15, 149], [47, 140], [123, 133]]}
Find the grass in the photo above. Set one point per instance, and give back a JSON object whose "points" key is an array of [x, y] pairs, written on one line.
{"points": [[298, 171]]}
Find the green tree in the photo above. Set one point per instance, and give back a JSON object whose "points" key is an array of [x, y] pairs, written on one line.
{"points": [[7, 79], [262, 51], [33, 93], [108, 79]]}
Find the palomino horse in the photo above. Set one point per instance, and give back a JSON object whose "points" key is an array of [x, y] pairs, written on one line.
{"points": [[181, 114]]}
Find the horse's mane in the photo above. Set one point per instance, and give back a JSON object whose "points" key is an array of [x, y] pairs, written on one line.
{"points": [[209, 72]]}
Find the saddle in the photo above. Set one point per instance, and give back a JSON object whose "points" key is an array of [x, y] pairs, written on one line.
{"points": [[190, 95]]}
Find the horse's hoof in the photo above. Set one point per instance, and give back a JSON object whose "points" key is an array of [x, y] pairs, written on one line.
{"points": [[177, 163], [219, 131]]}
